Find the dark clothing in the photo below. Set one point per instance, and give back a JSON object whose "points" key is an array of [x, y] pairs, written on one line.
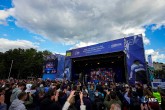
{"points": [[72, 107], [141, 77], [112, 101], [139, 92], [48, 104], [7, 97], [3, 106], [87, 103]]}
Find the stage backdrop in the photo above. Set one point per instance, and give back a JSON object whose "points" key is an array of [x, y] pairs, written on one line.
{"points": [[132, 46]]}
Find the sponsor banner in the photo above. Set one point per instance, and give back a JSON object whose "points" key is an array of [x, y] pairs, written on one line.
{"points": [[134, 50], [150, 63], [155, 85], [102, 48]]}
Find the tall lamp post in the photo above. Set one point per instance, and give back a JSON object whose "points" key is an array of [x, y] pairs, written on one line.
{"points": [[10, 68]]}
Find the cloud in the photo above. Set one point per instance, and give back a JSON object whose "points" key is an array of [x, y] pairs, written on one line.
{"points": [[82, 44], [72, 21], [61, 53], [4, 14], [7, 44], [39, 39], [157, 56]]}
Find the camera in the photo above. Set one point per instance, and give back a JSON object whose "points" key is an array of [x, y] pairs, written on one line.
{"points": [[76, 92]]}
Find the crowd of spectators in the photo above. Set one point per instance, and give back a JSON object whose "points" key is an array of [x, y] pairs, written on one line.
{"points": [[69, 95]]}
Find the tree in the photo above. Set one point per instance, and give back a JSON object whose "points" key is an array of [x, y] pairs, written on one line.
{"points": [[26, 63]]}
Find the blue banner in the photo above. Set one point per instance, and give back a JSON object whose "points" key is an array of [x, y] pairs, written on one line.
{"points": [[134, 51], [102, 48], [150, 63]]}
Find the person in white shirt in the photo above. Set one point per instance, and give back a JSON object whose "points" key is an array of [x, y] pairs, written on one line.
{"points": [[70, 101]]}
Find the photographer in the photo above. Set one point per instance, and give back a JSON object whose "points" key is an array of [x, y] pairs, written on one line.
{"points": [[69, 104], [50, 102]]}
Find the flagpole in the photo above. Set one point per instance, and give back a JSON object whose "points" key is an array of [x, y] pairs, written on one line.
{"points": [[10, 69]]}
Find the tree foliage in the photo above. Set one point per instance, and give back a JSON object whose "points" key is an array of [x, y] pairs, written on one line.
{"points": [[26, 63]]}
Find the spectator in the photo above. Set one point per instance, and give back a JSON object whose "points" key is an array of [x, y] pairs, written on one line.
{"points": [[86, 100], [127, 94], [91, 91], [146, 91], [17, 91], [18, 104], [139, 90], [115, 107], [69, 104], [3, 106], [113, 99], [50, 102]]}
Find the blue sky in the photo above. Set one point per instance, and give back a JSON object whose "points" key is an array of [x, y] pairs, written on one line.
{"points": [[57, 26]]}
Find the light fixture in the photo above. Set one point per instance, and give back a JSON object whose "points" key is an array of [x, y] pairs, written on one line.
{"points": [[98, 63]]}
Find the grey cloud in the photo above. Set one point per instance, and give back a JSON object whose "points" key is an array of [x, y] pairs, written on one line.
{"points": [[88, 20]]}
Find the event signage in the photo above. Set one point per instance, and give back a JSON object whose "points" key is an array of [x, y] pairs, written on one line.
{"points": [[150, 63], [155, 85], [134, 50], [102, 48], [132, 47]]}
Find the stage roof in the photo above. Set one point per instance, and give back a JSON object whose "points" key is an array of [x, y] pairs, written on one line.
{"points": [[101, 48]]}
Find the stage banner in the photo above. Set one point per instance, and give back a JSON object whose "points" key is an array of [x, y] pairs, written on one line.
{"points": [[67, 69], [60, 69], [102, 48], [134, 51], [150, 63]]}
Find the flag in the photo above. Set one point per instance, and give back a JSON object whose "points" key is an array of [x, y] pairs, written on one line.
{"points": [[150, 63]]}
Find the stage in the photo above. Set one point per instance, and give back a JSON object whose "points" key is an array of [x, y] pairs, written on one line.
{"points": [[119, 55], [111, 61]]}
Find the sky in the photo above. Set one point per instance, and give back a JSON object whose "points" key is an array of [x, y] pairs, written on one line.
{"points": [[60, 25]]}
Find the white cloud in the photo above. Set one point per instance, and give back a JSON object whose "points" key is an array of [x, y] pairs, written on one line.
{"points": [[156, 55], [72, 21], [7, 44], [4, 14], [61, 53], [83, 44]]}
